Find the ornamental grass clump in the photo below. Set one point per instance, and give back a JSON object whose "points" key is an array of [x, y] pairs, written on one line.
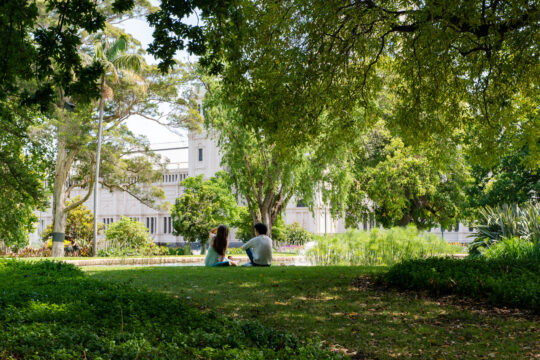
{"points": [[505, 222], [514, 249], [378, 247]]}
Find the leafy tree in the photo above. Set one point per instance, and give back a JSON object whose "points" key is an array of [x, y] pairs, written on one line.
{"points": [[400, 185], [173, 33], [79, 225], [128, 87], [24, 161], [113, 57], [509, 181], [36, 62], [464, 69], [128, 234], [203, 205], [263, 174], [73, 132]]}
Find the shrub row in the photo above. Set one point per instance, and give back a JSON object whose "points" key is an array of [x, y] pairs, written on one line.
{"points": [[501, 282], [51, 310]]}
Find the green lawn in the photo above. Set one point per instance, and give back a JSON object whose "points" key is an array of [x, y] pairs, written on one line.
{"points": [[336, 305]]}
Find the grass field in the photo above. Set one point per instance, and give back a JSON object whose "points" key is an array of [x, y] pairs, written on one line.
{"points": [[340, 306]]}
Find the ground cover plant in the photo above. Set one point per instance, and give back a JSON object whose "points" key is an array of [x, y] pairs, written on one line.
{"points": [[338, 305], [501, 281], [52, 310], [378, 247]]}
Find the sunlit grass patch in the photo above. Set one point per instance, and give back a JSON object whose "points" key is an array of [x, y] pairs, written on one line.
{"points": [[330, 304], [55, 311]]}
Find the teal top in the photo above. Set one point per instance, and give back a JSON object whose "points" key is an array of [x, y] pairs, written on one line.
{"points": [[212, 257]]}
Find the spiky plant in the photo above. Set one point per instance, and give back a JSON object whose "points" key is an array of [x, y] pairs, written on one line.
{"points": [[504, 222]]}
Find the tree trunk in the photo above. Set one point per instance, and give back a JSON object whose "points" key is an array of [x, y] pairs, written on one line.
{"points": [[267, 219], [59, 200], [203, 248], [405, 220]]}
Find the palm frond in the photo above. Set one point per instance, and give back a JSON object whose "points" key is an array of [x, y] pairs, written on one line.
{"points": [[117, 47], [134, 62]]}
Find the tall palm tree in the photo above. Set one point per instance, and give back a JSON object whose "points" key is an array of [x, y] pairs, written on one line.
{"points": [[116, 60]]}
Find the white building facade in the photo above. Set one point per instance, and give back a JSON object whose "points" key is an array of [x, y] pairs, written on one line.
{"points": [[204, 158]]}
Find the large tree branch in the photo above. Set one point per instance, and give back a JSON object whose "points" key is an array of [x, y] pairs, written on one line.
{"points": [[86, 197], [126, 189]]}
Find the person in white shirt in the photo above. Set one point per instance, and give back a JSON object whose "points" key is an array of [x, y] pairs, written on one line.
{"points": [[259, 249]]}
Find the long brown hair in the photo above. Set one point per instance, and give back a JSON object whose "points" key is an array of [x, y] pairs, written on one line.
{"points": [[221, 241]]}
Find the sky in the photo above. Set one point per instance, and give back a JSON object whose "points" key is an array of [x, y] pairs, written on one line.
{"points": [[159, 136]]}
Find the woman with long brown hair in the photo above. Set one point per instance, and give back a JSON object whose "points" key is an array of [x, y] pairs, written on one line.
{"points": [[219, 242]]}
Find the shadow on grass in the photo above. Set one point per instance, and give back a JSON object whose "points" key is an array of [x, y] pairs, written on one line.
{"points": [[325, 302], [55, 311]]}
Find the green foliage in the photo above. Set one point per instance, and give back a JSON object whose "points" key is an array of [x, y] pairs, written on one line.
{"points": [[279, 230], [204, 204], [24, 162], [399, 184], [176, 251], [514, 249], [128, 234], [244, 225], [245, 230], [173, 35], [236, 251], [295, 234], [506, 221], [377, 247], [264, 172], [79, 225], [148, 249], [509, 181], [100, 320], [460, 70], [507, 282]]}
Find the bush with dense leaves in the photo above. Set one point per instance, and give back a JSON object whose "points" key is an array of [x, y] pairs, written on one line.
{"points": [[511, 282], [377, 247], [295, 234], [176, 251], [51, 310], [127, 234]]}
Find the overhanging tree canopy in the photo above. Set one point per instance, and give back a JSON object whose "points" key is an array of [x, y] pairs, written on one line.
{"points": [[465, 69]]}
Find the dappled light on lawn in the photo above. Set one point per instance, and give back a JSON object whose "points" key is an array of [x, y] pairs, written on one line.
{"points": [[341, 306]]}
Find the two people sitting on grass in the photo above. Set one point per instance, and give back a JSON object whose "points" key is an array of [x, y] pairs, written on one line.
{"points": [[219, 242], [259, 249]]}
